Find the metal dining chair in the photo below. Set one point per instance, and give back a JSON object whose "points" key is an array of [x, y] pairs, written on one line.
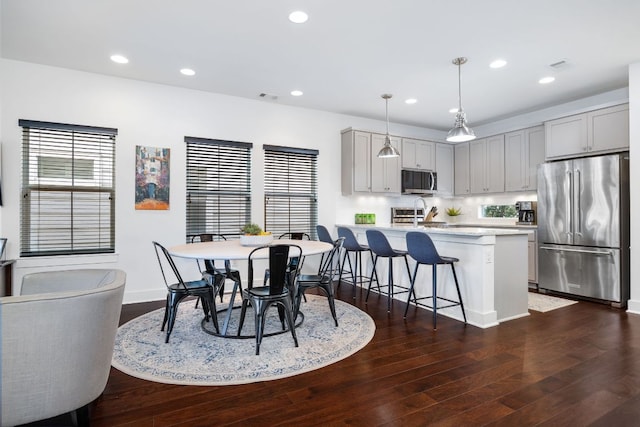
{"points": [[178, 289], [324, 280], [210, 264], [280, 291]]}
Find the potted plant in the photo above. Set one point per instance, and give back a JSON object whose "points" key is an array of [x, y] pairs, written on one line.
{"points": [[254, 235], [453, 213]]}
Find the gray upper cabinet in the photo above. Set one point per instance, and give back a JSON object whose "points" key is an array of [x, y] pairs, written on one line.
{"points": [[486, 165], [444, 169], [362, 170], [599, 131], [418, 154], [523, 152], [461, 169]]}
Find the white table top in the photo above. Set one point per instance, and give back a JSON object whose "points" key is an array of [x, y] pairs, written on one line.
{"points": [[233, 250]]}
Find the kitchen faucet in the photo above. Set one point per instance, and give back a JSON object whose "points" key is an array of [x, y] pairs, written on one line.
{"points": [[415, 209]]}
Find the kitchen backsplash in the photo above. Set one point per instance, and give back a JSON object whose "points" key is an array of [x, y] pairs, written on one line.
{"points": [[469, 206]]}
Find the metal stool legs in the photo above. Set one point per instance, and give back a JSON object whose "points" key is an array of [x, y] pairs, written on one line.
{"points": [[390, 284], [434, 296]]}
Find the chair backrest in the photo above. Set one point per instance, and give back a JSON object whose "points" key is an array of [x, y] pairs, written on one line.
{"points": [[379, 244], [281, 271], [295, 235], [326, 269], [209, 264], [207, 237], [323, 234], [421, 248], [169, 261], [350, 241]]}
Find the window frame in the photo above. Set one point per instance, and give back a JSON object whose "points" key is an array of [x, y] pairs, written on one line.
{"points": [[66, 169], [284, 196], [209, 177]]}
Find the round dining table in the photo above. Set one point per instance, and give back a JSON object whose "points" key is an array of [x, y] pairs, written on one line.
{"points": [[224, 250]]}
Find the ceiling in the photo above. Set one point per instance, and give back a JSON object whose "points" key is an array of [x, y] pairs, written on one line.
{"points": [[347, 54]]}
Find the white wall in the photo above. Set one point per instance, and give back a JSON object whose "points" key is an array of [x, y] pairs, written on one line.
{"points": [[156, 115], [634, 178]]}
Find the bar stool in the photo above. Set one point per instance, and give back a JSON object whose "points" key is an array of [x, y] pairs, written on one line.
{"points": [[421, 248], [351, 245], [380, 247]]}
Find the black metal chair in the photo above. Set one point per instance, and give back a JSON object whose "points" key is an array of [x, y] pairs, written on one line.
{"points": [[294, 262], [323, 281], [210, 264], [280, 291], [421, 248], [176, 292], [381, 248], [351, 245]]}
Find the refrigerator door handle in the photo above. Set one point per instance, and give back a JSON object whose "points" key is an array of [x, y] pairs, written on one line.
{"points": [[569, 210], [582, 251], [578, 208]]}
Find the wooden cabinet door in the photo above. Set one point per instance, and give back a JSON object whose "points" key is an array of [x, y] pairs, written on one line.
{"points": [[494, 164], [535, 139], [566, 136], [461, 169], [444, 168], [418, 154], [385, 173], [609, 129], [515, 159], [361, 161], [477, 174]]}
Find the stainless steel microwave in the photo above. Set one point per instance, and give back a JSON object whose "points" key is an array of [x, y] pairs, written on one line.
{"points": [[419, 182]]}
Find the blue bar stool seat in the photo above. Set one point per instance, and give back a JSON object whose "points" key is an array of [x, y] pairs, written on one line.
{"points": [[381, 248], [421, 248]]}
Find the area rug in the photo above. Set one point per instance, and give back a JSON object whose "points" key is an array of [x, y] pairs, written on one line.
{"points": [[544, 303], [193, 357]]}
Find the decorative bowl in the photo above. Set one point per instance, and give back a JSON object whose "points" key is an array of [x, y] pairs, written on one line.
{"points": [[256, 240]]}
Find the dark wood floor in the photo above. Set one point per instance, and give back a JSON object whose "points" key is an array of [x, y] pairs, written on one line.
{"points": [[578, 365]]}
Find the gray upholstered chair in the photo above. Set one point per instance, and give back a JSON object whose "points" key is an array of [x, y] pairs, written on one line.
{"points": [[57, 341]]}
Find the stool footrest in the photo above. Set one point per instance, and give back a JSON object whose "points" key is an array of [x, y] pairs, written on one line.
{"points": [[453, 303]]}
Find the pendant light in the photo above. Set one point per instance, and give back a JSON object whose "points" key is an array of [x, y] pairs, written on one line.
{"points": [[460, 131], [388, 150]]}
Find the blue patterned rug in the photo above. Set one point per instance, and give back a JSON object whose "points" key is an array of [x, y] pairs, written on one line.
{"points": [[193, 357]]}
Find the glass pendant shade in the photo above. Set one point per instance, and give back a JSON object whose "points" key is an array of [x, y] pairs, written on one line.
{"points": [[388, 150], [460, 131]]}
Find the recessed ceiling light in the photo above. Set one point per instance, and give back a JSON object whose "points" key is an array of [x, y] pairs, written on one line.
{"points": [[298, 17], [453, 110], [188, 72], [498, 63], [411, 101], [545, 80], [119, 59], [296, 93]]}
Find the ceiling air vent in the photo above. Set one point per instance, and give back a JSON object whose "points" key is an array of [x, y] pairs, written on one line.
{"points": [[559, 64], [268, 96]]}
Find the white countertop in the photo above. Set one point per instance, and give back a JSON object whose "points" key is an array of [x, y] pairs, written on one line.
{"points": [[457, 230]]}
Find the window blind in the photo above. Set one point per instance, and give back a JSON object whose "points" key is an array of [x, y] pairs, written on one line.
{"points": [[290, 190], [218, 186], [68, 189]]}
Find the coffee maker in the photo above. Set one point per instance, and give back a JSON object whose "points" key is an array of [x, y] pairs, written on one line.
{"points": [[526, 213]]}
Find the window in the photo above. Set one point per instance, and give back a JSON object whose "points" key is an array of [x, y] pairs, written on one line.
{"points": [[68, 189], [498, 211], [290, 190], [218, 186]]}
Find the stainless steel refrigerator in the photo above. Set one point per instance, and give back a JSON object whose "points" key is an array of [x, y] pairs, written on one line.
{"points": [[583, 227]]}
